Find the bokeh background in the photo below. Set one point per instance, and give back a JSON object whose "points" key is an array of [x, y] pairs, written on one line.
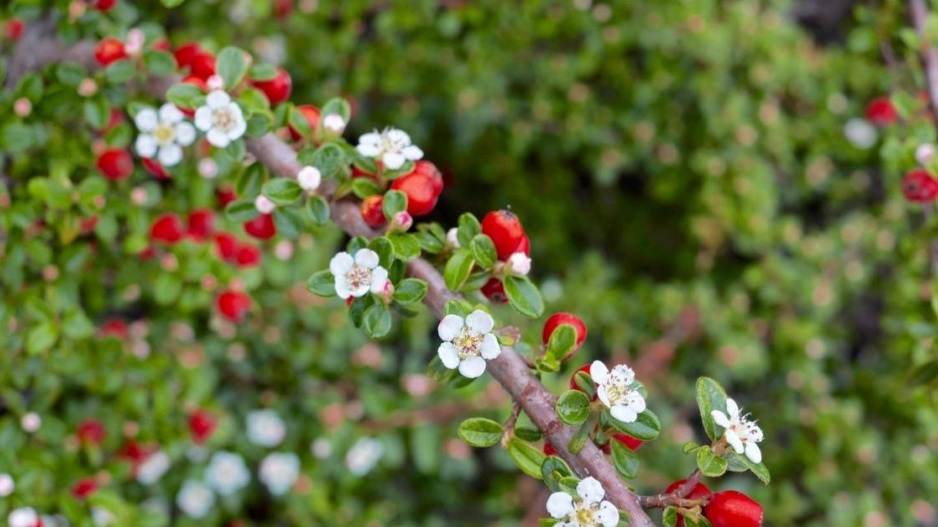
{"points": [[688, 176]]}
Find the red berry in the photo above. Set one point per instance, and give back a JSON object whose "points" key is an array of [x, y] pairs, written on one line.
{"points": [[84, 487], [277, 89], [494, 290], [506, 232], [87, 225], [524, 246], [115, 118], [13, 28], [202, 425], [161, 45], [420, 191], [155, 168], [90, 432], [115, 327], [630, 442], [261, 227], [115, 164], [104, 5], [198, 82], [167, 228], [228, 246], [372, 211], [549, 449], [881, 112], [135, 452], [283, 8], [429, 169], [733, 509], [558, 319], [357, 172], [109, 50], [919, 186], [700, 491], [200, 224], [225, 195], [186, 54], [233, 305], [248, 256], [203, 65], [312, 117]]}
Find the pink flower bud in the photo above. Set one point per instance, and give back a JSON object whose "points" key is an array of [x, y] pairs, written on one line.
{"points": [[22, 107], [519, 264], [334, 123], [208, 168], [134, 43], [309, 178], [452, 238], [925, 153], [264, 205], [87, 87], [402, 221], [284, 250], [215, 82]]}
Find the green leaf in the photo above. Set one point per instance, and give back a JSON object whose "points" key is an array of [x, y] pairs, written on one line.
{"points": [[457, 307], [579, 439], [251, 180], [364, 187], [377, 321], [528, 434], [562, 341], [625, 460], [184, 95], [160, 63], [231, 66], [468, 228], [410, 291], [646, 427], [301, 125], [336, 105], [318, 209], [289, 221], [394, 201], [527, 457], [406, 246], [553, 470], [585, 383], [524, 296], [483, 250], [669, 517], [120, 72], [262, 71], [480, 432], [282, 191], [76, 325], [385, 250], [710, 396], [457, 269], [97, 111], [322, 283], [41, 337], [759, 469], [241, 210], [573, 407], [710, 464], [329, 159]]}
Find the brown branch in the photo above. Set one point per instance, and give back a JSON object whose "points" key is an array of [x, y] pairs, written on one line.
{"points": [[509, 369], [919, 13], [677, 498]]}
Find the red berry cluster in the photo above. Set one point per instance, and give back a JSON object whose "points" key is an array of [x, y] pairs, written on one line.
{"points": [[507, 233], [728, 508], [422, 186]]}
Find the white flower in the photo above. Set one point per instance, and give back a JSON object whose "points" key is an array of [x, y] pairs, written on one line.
{"points": [[195, 499], [7, 485], [153, 468], [208, 168], [468, 342], [860, 133], [741, 433], [357, 276], [309, 178], [23, 517], [227, 473], [264, 205], [266, 428], [163, 134], [221, 119], [102, 517], [590, 510], [452, 237], [519, 263], [364, 455], [321, 448], [334, 123], [925, 153], [31, 422], [618, 390], [392, 147], [279, 472], [135, 41]]}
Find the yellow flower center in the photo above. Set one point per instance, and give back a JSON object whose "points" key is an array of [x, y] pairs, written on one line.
{"points": [[467, 344], [164, 134], [223, 120], [358, 277]]}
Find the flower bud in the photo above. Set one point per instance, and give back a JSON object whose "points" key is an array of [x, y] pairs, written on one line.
{"points": [[452, 238], [925, 153], [402, 221], [264, 205], [309, 178], [22, 107], [519, 264], [334, 123]]}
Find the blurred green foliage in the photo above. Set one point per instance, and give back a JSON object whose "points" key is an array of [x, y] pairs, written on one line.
{"points": [[665, 157]]}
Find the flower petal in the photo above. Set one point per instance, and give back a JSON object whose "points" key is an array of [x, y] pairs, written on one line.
{"points": [[472, 367], [170, 114], [218, 138], [559, 505], [490, 347], [733, 439], [146, 120], [603, 396], [341, 288], [732, 409], [635, 401], [170, 155], [412, 153], [608, 514], [720, 418], [479, 322], [371, 138], [217, 100], [599, 372], [341, 264], [393, 160], [240, 125], [449, 327], [448, 355], [623, 413], [367, 258], [368, 150], [590, 490], [379, 279], [145, 145], [185, 134], [203, 118], [753, 452]]}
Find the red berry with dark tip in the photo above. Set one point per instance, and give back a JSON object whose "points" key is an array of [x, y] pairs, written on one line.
{"points": [[168, 228], [200, 224], [233, 305], [203, 65], [506, 232], [109, 50], [115, 164], [277, 89], [312, 117], [84, 487], [420, 191], [90, 432], [494, 290], [558, 319], [733, 509], [202, 425], [372, 212], [186, 54], [919, 186], [261, 227], [248, 256], [881, 112]]}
